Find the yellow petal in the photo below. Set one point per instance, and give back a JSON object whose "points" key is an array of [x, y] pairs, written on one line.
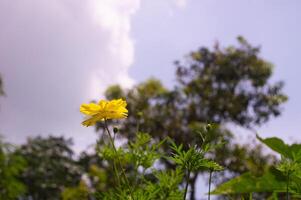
{"points": [[102, 104], [90, 109], [91, 121]]}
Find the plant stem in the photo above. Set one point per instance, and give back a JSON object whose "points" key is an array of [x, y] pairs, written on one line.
{"points": [[209, 187], [116, 172], [287, 185], [119, 162], [186, 186]]}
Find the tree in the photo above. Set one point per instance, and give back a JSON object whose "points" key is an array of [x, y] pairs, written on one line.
{"points": [[1, 87], [50, 168], [222, 85], [11, 166], [230, 85]]}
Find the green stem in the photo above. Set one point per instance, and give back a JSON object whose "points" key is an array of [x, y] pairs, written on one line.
{"points": [[209, 187], [119, 162], [115, 151], [287, 185], [186, 186], [116, 172]]}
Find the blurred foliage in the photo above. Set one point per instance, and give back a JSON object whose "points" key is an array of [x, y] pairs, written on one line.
{"points": [[1, 86], [230, 85], [11, 166], [282, 179], [81, 192], [222, 85], [145, 181], [51, 167]]}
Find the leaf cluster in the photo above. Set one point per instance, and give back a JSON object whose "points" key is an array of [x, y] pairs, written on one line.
{"points": [[11, 167], [193, 160], [282, 178]]}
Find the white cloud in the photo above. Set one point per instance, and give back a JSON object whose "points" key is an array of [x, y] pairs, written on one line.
{"points": [[180, 3], [57, 54], [114, 16]]}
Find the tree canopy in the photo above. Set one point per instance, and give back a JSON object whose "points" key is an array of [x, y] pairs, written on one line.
{"points": [[218, 85], [50, 167], [11, 167], [230, 85]]}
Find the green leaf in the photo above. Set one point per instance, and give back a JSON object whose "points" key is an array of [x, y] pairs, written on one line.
{"points": [[296, 152], [277, 145], [271, 181], [209, 164], [288, 151]]}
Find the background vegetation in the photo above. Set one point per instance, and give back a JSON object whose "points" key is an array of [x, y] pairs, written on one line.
{"points": [[165, 126]]}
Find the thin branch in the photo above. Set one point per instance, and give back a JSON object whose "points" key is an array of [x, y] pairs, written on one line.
{"points": [[186, 186]]}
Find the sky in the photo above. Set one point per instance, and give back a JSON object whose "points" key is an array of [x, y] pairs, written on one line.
{"points": [[58, 54], [55, 55], [165, 33]]}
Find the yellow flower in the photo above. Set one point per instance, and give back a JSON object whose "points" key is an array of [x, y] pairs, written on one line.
{"points": [[115, 109]]}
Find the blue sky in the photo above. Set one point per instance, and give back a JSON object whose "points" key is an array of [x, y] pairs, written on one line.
{"points": [[162, 37], [55, 55]]}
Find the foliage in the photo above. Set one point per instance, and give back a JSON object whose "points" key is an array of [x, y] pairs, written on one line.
{"points": [[80, 192], [165, 143], [219, 85], [138, 157], [284, 177], [230, 84], [271, 181], [194, 160], [1, 87], [50, 167], [11, 166], [136, 175]]}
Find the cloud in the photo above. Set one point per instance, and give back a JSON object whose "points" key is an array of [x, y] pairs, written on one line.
{"points": [[180, 3], [57, 54]]}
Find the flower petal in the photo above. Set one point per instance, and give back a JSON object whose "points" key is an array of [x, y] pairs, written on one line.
{"points": [[89, 109], [91, 121]]}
